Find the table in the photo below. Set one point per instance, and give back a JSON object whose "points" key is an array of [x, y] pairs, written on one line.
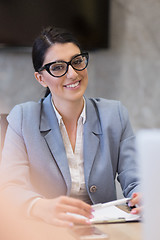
{"points": [[41, 231], [15, 227], [38, 230], [122, 231], [116, 231]]}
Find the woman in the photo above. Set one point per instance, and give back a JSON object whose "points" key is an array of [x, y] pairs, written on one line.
{"points": [[62, 154]]}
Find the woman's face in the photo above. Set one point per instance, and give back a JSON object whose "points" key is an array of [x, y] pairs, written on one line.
{"points": [[73, 84]]}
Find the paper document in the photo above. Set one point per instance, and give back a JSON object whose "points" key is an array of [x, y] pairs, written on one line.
{"points": [[109, 213], [113, 214]]}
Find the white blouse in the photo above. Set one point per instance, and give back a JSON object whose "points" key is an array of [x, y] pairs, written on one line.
{"points": [[75, 159]]}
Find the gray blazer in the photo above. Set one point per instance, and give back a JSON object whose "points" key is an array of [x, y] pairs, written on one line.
{"points": [[34, 161]]}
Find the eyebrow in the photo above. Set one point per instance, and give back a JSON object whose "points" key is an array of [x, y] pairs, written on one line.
{"points": [[61, 60]]}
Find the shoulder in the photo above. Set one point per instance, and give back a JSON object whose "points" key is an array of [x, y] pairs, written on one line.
{"points": [[108, 105], [23, 109], [23, 113], [110, 109]]}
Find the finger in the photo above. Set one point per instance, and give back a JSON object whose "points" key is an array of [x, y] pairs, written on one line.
{"points": [[76, 203], [134, 195], [136, 210], [61, 223], [68, 204], [61, 208], [135, 199], [74, 219], [133, 202]]}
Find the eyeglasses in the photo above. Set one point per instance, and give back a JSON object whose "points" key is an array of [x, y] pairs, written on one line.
{"points": [[60, 68]]}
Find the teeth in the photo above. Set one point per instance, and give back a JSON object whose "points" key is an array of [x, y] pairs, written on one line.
{"points": [[73, 85]]}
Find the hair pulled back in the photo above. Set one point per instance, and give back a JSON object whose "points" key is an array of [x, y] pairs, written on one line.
{"points": [[45, 40]]}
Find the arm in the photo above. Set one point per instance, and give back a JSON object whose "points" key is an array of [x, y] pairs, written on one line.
{"points": [[128, 165], [15, 182], [128, 168], [14, 170]]}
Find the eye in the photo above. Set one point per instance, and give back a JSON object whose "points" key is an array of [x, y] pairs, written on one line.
{"points": [[57, 67], [77, 61]]}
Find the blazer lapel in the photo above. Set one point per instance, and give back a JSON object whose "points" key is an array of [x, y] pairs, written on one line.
{"points": [[92, 130], [49, 128]]}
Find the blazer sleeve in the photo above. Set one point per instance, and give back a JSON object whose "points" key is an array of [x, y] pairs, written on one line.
{"points": [[128, 167], [14, 169]]}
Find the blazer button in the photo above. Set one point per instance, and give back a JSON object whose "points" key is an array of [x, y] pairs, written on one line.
{"points": [[93, 189]]}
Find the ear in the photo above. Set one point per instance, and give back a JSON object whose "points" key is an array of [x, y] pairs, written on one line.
{"points": [[40, 79]]}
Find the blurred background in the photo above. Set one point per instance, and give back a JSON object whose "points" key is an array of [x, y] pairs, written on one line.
{"points": [[123, 39]]}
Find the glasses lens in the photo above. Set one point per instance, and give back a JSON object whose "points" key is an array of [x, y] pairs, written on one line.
{"points": [[58, 69], [79, 62]]}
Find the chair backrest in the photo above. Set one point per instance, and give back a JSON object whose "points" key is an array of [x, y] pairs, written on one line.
{"points": [[3, 128]]}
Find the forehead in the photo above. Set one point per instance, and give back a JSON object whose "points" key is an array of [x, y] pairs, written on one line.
{"points": [[61, 51]]}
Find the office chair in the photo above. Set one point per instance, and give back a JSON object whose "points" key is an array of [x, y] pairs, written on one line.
{"points": [[3, 128]]}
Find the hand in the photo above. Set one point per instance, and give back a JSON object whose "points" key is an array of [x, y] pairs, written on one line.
{"points": [[55, 211], [135, 201]]}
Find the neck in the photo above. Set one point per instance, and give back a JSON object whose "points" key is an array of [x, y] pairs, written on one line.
{"points": [[70, 111]]}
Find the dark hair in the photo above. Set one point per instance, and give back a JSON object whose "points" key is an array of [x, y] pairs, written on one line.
{"points": [[46, 39]]}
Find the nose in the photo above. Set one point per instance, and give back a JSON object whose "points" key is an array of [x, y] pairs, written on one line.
{"points": [[71, 73]]}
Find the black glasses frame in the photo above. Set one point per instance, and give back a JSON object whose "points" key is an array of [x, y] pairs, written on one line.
{"points": [[47, 66]]}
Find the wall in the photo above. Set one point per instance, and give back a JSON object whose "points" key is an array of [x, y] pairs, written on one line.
{"points": [[129, 71], [17, 82]]}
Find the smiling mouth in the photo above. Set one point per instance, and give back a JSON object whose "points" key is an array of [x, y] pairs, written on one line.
{"points": [[72, 85]]}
